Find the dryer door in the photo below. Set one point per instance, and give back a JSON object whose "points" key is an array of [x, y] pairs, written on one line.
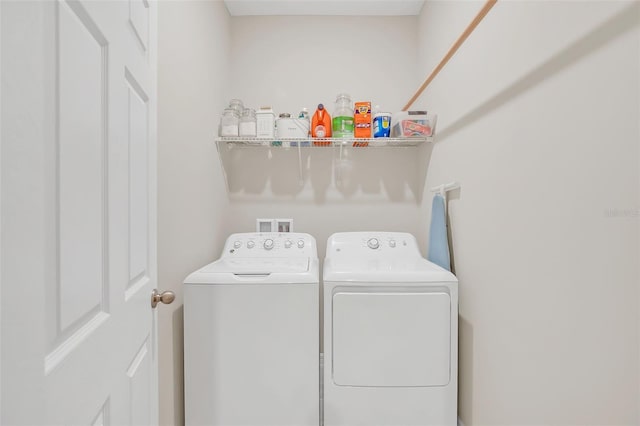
{"points": [[391, 338]]}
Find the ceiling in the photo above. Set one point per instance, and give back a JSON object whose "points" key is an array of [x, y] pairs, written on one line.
{"points": [[324, 7]]}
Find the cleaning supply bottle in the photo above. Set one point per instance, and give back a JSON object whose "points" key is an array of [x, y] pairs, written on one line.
{"points": [[321, 126], [343, 117]]}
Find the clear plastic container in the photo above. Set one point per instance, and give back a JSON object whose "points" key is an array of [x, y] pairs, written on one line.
{"points": [[229, 122], [406, 124], [248, 124], [342, 123]]}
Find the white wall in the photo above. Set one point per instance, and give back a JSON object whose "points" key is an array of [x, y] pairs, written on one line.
{"points": [[542, 93], [539, 121], [294, 62], [192, 81]]}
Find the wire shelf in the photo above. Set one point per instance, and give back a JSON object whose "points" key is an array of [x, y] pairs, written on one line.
{"points": [[324, 142]]}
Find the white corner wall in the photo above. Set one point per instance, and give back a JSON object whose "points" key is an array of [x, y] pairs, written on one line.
{"points": [[192, 80], [539, 121]]}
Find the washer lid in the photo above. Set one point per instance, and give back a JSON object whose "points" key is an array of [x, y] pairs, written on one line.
{"points": [[414, 269], [257, 266]]}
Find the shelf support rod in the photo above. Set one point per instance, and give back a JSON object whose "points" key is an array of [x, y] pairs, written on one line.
{"points": [[300, 173], [443, 189], [472, 26]]}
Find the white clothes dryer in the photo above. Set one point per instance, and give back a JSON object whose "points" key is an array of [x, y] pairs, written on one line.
{"points": [[390, 333], [251, 343]]}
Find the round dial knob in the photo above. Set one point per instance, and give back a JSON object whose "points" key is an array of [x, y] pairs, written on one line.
{"points": [[392, 243], [237, 244], [373, 243], [268, 244], [250, 244], [287, 244], [300, 243]]}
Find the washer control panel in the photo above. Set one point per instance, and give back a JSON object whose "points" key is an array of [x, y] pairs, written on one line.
{"points": [[276, 244]]}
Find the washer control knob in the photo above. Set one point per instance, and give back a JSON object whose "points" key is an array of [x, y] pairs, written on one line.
{"points": [[300, 243], [237, 244], [287, 244], [251, 244], [268, 244], [373, 243], [392, 243]]}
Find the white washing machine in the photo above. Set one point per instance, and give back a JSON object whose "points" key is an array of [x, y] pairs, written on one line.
{"points": [[251, 344], [390, 333]]}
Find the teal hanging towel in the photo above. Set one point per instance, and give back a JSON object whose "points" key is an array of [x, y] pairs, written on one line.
{"points": [[438, 240]]}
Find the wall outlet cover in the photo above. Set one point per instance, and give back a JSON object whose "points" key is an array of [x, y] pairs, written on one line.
{"points": [[284, 225], [265, 225]]}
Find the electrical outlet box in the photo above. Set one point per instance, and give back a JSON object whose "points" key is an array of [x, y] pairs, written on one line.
{"points": [[274, 225], [265, 225], [284, 225]]}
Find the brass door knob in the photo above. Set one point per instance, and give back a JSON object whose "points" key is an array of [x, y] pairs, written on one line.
{"points": [[165, 297]]}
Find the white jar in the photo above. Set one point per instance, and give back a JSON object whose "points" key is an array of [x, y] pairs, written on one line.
{"points": [[266, 121]]}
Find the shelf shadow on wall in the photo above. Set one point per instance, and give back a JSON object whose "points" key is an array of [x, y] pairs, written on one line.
{"points": [[424, 159], [465, 371], [325, 174], [614, 27], [451, 195]]}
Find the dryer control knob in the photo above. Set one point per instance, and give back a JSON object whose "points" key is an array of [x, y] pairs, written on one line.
{"points": [[300, 243], [250, 244], [373, 243], [287, 244], [392, 243], [237, 244], [268, 244]]}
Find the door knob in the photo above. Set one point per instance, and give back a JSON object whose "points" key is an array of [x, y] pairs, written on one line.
{"points": [[165, 297]]}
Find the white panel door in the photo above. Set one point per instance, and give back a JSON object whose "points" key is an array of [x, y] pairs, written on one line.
{"points": [[78, 256]]}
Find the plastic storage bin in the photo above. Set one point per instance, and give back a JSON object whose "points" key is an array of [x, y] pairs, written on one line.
{"points": [[405, 124]]}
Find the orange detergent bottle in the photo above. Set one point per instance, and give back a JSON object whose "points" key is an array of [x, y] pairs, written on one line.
{"points": [[321, 126]]}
